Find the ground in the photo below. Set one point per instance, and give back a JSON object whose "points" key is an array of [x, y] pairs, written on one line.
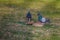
{"points": [[12, 29], [16, 31], [12, 20]]}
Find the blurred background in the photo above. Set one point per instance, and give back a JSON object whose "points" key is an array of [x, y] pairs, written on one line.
{"points": [[12, 11]]}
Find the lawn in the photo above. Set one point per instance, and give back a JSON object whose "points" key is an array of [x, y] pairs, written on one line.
{"points": [[14, 11]]}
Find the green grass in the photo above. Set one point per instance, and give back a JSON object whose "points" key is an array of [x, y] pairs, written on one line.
{"points": [[12, 11], [30, 3], [26, 32]]}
